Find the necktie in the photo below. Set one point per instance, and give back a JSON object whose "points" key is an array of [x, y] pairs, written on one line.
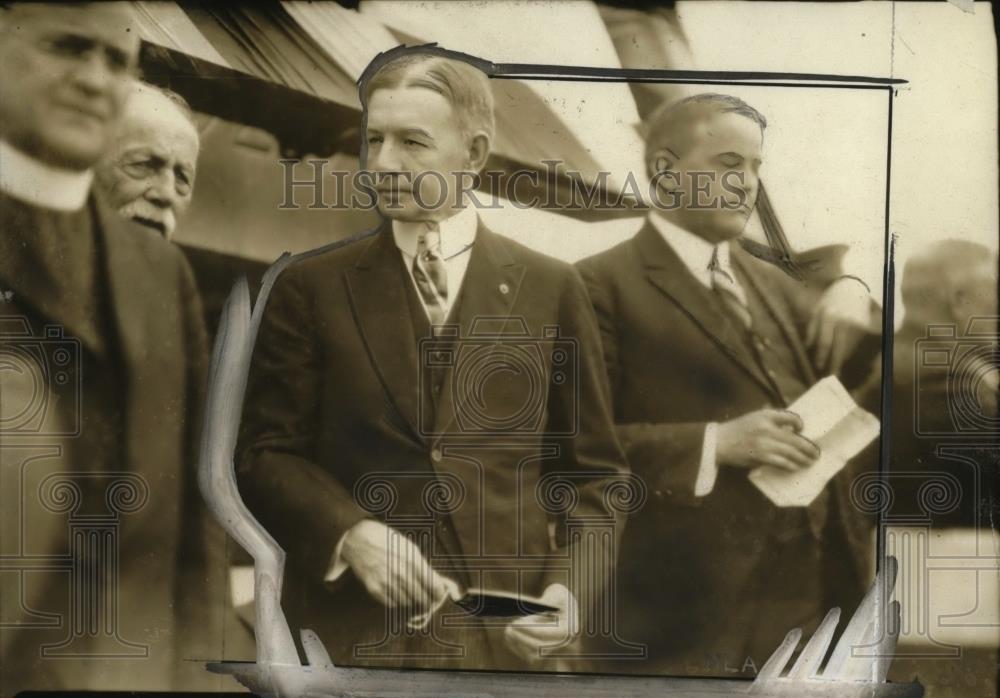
{"points": [[431, 275], [729, 291]]}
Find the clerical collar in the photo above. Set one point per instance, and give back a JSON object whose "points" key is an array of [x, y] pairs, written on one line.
{"points": [[39, 184], [457, 233], [694, 251]]}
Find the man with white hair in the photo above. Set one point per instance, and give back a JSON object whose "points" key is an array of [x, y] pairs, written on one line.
{"points": [[147, 174]]}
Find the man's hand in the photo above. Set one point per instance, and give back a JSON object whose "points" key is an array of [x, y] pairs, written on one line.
{"points": [[843, 316], [766, 437], [527, 636], [393, 569]]}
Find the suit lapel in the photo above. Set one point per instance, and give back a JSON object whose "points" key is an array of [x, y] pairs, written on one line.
{"points": [[769, 294], [148, 334], [128, 289], [490, 289], [132, 294], [665, 270], [378, 300]]}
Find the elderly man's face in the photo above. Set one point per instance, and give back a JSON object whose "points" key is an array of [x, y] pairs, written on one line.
{"points": [[719, 166], [148, 175], [64, 75], [413, 130]]}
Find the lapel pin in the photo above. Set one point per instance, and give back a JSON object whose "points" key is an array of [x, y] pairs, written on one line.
{"points": [[504, 289]]}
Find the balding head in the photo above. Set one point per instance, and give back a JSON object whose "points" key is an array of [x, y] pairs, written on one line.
{"points": [[149, 172], [64, 74]]}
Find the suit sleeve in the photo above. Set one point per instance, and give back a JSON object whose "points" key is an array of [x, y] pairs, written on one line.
{"points": [[667, 457], [591, 457], [802, 298], [298, 500]]}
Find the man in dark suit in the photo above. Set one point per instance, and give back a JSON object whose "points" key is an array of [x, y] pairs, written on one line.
{"points": [[421, 398], [103, 579], [705, 347]]}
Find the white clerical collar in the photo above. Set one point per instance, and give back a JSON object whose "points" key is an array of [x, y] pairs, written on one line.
{"points": [[457, 233], [36, 183], [694, 251]]}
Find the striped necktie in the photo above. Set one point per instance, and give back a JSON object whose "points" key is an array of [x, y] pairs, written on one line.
{"points": [[729, 291], [431, 275]]}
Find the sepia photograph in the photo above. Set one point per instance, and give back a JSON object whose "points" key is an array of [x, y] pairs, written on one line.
{"points": [[509, 348]]}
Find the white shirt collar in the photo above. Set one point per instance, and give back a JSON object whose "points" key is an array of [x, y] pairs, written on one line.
{"points": [[39, 184], [695, 252], [457, 233]]}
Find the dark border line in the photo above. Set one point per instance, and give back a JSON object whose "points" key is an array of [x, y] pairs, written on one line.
{"points": [[888, 330], [525, 71], [758, 83]]}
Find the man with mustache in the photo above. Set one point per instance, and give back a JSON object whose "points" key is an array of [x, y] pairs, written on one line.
{"points": [[103, 576], [394, 439], [705, 347], [148, 173]]}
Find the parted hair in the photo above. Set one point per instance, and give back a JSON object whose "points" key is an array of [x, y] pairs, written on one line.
{"points": [[462, 83]]}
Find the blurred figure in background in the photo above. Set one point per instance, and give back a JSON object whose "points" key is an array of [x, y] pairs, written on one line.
{"points": [[103, 577], [148, 173], [946, 365]]}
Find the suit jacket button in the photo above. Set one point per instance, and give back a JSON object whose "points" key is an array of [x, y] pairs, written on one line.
{"points": [[504, 289], [436, 455]]}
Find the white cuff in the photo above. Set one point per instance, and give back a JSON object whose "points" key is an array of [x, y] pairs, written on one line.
{"points": [[337, 564], [708, 469]]}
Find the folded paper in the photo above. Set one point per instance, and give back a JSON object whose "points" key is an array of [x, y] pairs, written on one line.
{"points": [[834, 422]]}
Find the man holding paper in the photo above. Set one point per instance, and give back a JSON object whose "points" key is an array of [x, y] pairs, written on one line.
{"points": [[707, 347]]}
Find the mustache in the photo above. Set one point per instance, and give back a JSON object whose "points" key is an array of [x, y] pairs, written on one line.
{"points": [[162, 219]]}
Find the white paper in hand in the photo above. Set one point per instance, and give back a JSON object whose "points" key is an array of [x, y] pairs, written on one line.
{"points": [[834, 422]]}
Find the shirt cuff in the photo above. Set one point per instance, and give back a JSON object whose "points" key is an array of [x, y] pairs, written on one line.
{"points": [[337, 564], [708, 469]]}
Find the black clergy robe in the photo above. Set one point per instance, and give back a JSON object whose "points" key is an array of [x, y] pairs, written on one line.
{"points": [[112, 572]]}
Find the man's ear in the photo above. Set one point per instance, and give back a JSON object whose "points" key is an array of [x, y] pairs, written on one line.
{"points": [[479, 151], [660, 160]]}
